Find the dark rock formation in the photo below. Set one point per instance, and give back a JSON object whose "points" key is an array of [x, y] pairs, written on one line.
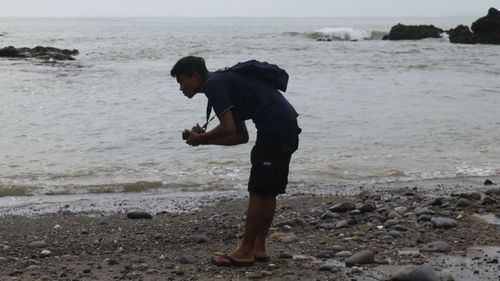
{"points": [[45, 53], [413, 32], [487, 29], [462, 35]]}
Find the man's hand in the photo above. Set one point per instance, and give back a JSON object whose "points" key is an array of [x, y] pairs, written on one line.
{"points": [[193, 139]]}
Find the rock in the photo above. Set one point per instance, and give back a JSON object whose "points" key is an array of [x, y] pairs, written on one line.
{"points": [[327, 225], [277, 235], [487, 29], [488, 182], [489, 201], [391, 222], [441, 222], [343, 254], [329, 215], [45, 53], [291, 238], [422, 273], [45, 253], [37, 244], [367, 208], [401, 210], [422, 211], [461, 35], [424, 218], [413, 32], [343, 207], [362, 257], [253, 275], [68, 257], [3, 260], [341, 224], [437, 202], [393, 215], [436, 247], [138, 214], [328, 267], [29, 262], [200, 239], [471, 196], [493, 191], [285, 255], [324, 39], [142, 267], [109, 261], [463, 203], [188, 259], [395, 234], [325, 254]]}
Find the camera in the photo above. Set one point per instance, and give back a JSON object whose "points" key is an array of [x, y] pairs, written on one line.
{"points": [[185, 135]]}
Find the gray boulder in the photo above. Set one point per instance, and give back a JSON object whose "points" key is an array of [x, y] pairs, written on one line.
{"points": [[362, 257], [461, 35], [436, 247], [441, 222], [413, 32], [487, 29]]}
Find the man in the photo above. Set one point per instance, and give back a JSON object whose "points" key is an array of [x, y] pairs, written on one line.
{"points": [[236, 97]]}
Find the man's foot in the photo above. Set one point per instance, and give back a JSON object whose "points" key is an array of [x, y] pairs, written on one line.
{"points": [[226, 260]]}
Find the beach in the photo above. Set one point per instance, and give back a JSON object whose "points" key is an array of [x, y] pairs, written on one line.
{"points": [[310, 238]]}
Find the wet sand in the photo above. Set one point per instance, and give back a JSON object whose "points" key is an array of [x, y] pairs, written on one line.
{"points": [[70, 242]]}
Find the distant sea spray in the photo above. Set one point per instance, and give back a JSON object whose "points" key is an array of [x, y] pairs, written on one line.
{"points": [[342, 34]]}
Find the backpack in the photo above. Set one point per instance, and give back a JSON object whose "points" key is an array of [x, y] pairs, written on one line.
{"points": [[263, 71]]}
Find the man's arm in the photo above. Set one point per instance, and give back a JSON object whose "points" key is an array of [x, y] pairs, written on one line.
{"points": [[228, 132]]}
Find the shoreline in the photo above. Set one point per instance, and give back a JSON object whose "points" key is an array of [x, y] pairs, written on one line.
{"points": [[90, 245], [180, 202]]}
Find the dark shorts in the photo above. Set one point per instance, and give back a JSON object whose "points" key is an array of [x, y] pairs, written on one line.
{"points": [[270, 163]]}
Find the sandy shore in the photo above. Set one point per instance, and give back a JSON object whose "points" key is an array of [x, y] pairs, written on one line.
{"points": [[311, 240]]}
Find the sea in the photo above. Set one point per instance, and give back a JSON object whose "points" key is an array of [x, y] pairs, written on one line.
{"points": [[110, 122]]}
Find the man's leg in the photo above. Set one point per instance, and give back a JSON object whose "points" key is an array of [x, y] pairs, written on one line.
{"points": [[259, 218]]}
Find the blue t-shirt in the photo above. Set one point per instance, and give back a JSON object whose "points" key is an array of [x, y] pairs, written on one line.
{"points": [[249, 98]]}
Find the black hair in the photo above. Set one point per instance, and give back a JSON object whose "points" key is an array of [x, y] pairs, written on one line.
{"points": [[190, 65]]}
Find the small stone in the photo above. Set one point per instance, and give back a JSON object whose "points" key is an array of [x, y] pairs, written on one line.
{"points": [[341, 224], [401, 210], [29, 262], [285, 255], [493, 191], [488, 182], [471, 196], [188, 259], [436, 247], [329, 215], [328, 267], [57, 226], [291, 238], [393, 215], [422, 273], [362, 257], [437, 202], [424, 218], [343, 254], [109, 261], [395, 234], [441, 222], [367, 208], [277, 235], [200, 239], [343, 207], [87, 270], [142, 267], [327, 225], [300, 257], [391, 222], [489, 201], [37, 244], [422, 211], [462, 202], [137, 214], [336, 248], [45, 253], [253, 275]]}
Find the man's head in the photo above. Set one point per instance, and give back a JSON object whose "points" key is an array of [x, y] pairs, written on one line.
{"points": [[190, 73]]}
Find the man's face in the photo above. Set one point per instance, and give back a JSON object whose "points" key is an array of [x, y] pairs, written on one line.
{"points": [[189, 85]]}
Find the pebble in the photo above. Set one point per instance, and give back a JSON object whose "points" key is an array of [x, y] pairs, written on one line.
{"points": [[188, 259], [291, 238], [367, 208], [391, 222], [29, 262], [488, 182], [37, 244], [200, 239], [341, 224], [436, 247], [393, 215], [422, 211], [137, 214], [45, 253], [277, 235], [424, 218], [441, 222], [471, 196], [489, 201], [109, 261], [362, 257], [437, 202], [422, 273], [462, 202], [328, 267], [329, 215], [395, 234], [253, 275], [327, 225], [285, 255], [343, 207], [142, 267], [401, 210], [343, 254]]}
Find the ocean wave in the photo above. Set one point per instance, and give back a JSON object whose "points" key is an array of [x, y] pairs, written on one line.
{"points": [[345, 34]]}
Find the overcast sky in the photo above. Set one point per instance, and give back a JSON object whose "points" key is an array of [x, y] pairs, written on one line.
{"points": [[245, 8]]}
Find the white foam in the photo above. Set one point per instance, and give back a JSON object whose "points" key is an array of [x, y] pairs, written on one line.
{"points": [[345, 33]]}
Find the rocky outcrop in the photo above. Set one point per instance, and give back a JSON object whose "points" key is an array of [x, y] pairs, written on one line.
{"points": [[45, 53], [487, 29], [461, 34], [413, 32]]}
